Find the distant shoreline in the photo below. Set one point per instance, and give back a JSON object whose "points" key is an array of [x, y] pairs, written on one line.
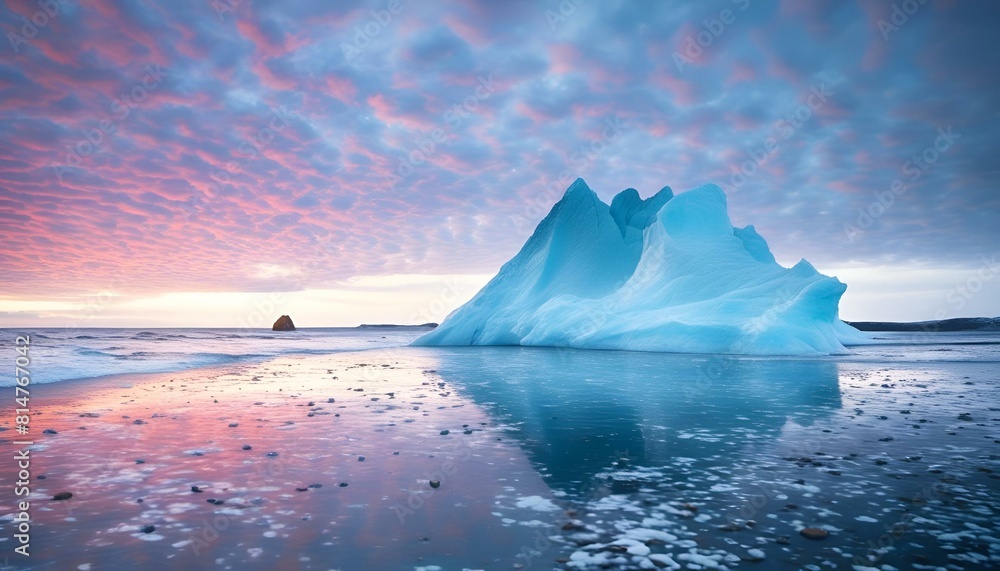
{"points": [[945, 325]]}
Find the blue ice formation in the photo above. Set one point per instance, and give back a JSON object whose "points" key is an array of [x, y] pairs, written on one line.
{"points": [[668, 273]]}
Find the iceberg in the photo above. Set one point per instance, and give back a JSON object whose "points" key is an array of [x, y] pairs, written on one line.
{"points": [[668, 274]]}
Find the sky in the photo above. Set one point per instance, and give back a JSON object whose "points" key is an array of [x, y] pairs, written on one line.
{"points": [[220, 162]]}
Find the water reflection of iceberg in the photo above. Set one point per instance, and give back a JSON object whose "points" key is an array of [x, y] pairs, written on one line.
{"points": [[579, 411]]}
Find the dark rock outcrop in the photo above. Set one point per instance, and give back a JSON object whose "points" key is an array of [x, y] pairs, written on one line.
{"points": [[956, 324], [284, 323]]}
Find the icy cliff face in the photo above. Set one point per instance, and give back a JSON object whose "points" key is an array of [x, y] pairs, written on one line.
{"points": [[669, 273]]}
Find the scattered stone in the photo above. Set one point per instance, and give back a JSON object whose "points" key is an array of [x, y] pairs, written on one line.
{"points": [[445, 432], [42, 477], [215, 502], [361, 458], [814, 533], [272, 454], [247, 447], [690, 507], [965, 416], [138, 421], [731, 526], [782, 540], [233, 424], [196, 489], [301, 489], [148, 529], [62, 496], [49, 431], [140, 461], [435, 484], [343, 484], [315, 486]]}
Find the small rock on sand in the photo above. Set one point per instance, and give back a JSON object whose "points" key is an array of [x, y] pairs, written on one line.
{"points": [[814, 533], [435, 484], [62, 496], [148, 529]]}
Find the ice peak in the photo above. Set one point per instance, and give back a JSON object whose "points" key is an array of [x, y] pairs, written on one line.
{"points": [[578, 189]]}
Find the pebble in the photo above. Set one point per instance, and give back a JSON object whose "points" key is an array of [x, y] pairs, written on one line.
{"points": [[62, 496], [272, 454], [361, 458], [49, 431], [343, 484], [196, 489], [148, 529], [233, 425], [445, 432], [814, 533], [435, 484], [247, 447]]}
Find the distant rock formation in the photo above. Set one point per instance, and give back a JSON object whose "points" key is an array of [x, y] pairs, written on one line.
{"points": [[956, 324], [284, 323]]}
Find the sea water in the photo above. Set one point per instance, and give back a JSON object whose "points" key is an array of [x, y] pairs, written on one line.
{"points": [[663, 460]]}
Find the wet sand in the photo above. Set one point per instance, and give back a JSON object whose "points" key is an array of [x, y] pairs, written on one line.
{"points": [[301, 462]]}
